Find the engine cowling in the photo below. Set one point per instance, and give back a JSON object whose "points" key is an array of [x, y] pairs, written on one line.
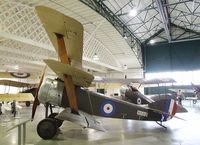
{"points": [[51, 92]]}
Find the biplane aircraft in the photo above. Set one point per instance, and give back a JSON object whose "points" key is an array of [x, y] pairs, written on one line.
{"points": [[132, 95], [81, 105], [13, 98]]}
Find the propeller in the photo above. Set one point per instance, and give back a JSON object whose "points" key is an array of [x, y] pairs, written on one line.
{"points": [[36, 101]]}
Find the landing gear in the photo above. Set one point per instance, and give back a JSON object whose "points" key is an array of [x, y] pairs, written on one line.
{"points": [[13, 108], [58, 121], [28, 103], [47, 128]]}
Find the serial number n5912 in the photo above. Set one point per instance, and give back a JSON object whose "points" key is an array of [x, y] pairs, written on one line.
{"points": [[142, 113]]}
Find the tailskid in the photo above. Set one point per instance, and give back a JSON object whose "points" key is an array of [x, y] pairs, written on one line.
{"points": [[160, 123]]}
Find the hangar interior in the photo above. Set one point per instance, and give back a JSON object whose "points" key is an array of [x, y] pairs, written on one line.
{"points": [[123, 42]]}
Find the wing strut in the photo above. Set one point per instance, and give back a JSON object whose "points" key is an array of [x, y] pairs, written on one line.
{"points": [[70, 89]]}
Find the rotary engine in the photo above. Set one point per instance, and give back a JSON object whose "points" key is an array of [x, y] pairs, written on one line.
{"points": [[51, 92]]}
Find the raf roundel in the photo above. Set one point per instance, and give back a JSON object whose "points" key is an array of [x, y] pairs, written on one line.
{"points": [[107, 108], [20, 75]]}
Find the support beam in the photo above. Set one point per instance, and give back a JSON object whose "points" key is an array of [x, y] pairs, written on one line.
{"points": [[164, 18], [95, 69], [25, 40], [185, 29], [44, 46], [152, 7], [119, 25], [102, 64], [154, 35], [183, 40]]}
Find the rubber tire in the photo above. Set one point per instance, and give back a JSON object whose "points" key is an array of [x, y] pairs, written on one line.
{"points": [[58, 121], [47, 128], [28, 103]]}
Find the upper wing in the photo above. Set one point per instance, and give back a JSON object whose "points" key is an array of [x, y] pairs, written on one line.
{"points": [[16, 97], [57, 22]]}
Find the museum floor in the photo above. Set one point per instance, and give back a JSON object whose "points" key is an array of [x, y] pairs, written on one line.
{"points": [[119, 132]]}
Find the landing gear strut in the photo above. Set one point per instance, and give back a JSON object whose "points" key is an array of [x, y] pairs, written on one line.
{"points": [[58, 121], [13, 108]]}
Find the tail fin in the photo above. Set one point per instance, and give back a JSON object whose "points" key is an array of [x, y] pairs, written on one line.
{"points": [[166, 107]]}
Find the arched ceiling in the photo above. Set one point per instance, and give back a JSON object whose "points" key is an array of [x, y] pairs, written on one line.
{"points": [[24, 43], [178, 19]]}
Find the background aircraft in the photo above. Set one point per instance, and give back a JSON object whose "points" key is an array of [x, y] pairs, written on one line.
{"points": [[81, 105], [132, 95], [20, 75], [13, 98], [195, 91]]}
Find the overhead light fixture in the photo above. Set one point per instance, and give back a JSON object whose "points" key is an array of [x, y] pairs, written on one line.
{"points": [[95, 57], [152, 41], [133, 12]]}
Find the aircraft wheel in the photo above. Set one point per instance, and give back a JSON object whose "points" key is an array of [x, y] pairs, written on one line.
{"points": [[47, 128], [28, 103], [58, 121]]}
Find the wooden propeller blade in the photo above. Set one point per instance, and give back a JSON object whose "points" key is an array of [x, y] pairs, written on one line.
{"points": [[36, 101]]}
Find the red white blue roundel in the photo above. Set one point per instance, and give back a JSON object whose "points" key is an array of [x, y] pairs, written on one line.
{"points": [[20, 75], [107, 108]]}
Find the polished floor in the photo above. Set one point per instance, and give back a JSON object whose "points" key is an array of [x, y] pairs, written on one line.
{"points": [[119, 132]]}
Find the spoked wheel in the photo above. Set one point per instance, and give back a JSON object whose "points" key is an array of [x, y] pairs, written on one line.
{"points": [[47, 128], [58, 121]]}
